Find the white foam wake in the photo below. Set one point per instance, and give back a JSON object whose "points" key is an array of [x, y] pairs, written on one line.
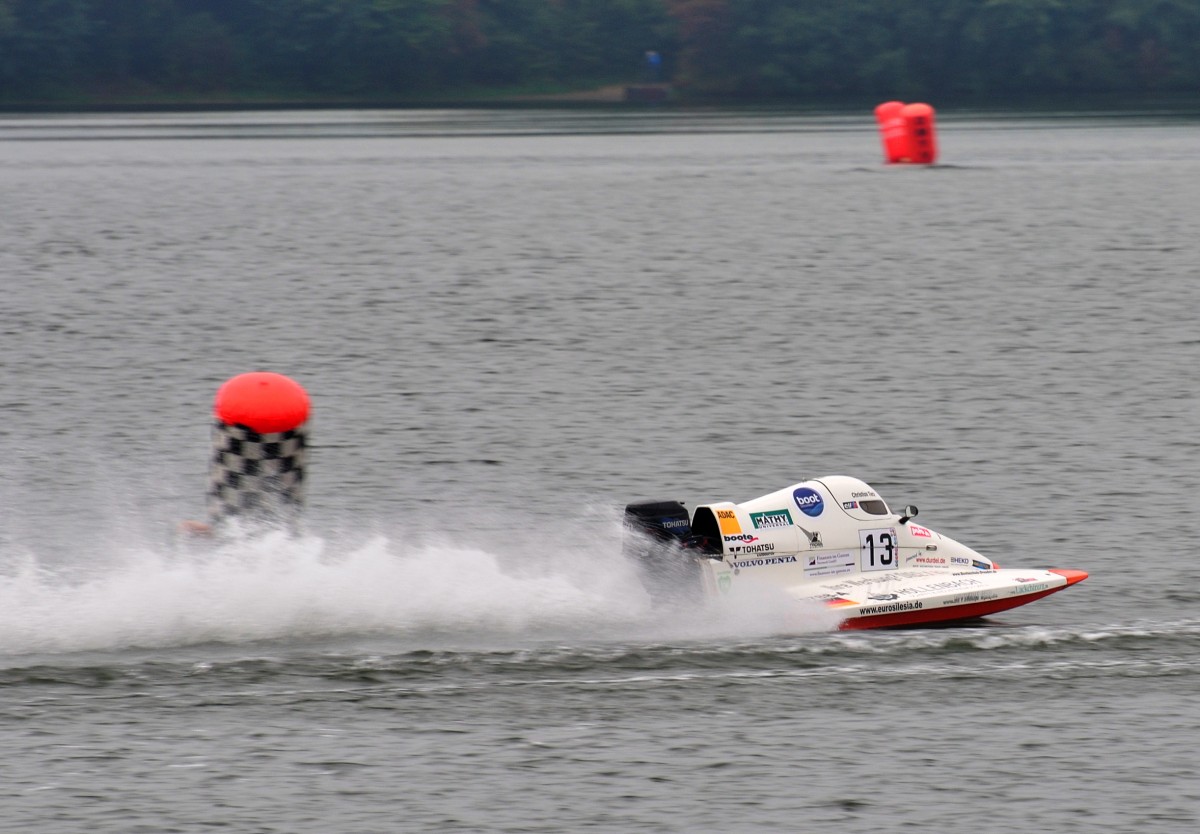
{"points": [[279, 587]]}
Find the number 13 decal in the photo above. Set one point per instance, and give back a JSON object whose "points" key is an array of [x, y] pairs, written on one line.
{"points": [[877, 549]]}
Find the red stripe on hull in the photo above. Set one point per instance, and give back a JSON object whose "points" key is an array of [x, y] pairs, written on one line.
{"points": [[946, 614]]}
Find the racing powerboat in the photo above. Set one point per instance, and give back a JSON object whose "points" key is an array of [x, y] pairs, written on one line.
{"points": [[831, 542]]}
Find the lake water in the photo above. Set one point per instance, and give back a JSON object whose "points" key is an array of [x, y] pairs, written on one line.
{"points": [[513, 322]]}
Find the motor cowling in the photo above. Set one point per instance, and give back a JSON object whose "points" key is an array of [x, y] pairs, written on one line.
{"points": [[655, 533]]}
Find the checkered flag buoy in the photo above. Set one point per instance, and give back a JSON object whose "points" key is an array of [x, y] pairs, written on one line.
{"points": [[256, 473]]}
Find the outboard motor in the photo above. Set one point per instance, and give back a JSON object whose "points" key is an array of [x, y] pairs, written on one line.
{"points": [[655, 536]]}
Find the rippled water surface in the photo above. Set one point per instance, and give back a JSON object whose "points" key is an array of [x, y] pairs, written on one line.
{"points": [[513, 322]]}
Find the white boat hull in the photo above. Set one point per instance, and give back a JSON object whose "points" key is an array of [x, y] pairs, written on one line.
{"points": [[917, 597], [834, 542]]}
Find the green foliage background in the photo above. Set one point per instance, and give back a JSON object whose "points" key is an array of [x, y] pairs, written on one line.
{"points": [[98, 50]]}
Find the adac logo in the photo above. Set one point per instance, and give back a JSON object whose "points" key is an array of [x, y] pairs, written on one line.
{"points": [[809, 501], [728, 522]]}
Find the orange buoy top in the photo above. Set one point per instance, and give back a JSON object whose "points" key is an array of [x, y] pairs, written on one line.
{"points": [[888, 110], [263, 402]]}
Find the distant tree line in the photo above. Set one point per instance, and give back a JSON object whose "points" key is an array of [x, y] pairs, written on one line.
{"points": [[96, 50], [787, 48]]}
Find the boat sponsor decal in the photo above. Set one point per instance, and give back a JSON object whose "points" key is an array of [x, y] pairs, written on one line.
{"points": [[886, 577], [934, 587], [918, 530], [883, 597], [960, 560], [836, 600], [867, 494], [828, 564], [1026, 579], [849, 505], [765, 547], [965, 599], [742, 537], [809, 501], [724, 581], [727, 520], [832, 570], [673, 523], [877, 549], [1031, 589], [893, 607], [821, 560], [922, 559], [771, 518], [758, 563], [978, 565]]}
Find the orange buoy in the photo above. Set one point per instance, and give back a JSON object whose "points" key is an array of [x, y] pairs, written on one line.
{"points": [[262, 401], [922, 140], [908, 132], [259, 440], [893, 131]]}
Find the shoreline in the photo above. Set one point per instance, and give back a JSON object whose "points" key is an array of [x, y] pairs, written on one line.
{"points": [[631, 95]]}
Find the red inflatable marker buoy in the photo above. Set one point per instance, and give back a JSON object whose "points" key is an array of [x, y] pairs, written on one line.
{"points": [[893, 131], [908, 133], [260, 436], [922, 141], [262, 401]]}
